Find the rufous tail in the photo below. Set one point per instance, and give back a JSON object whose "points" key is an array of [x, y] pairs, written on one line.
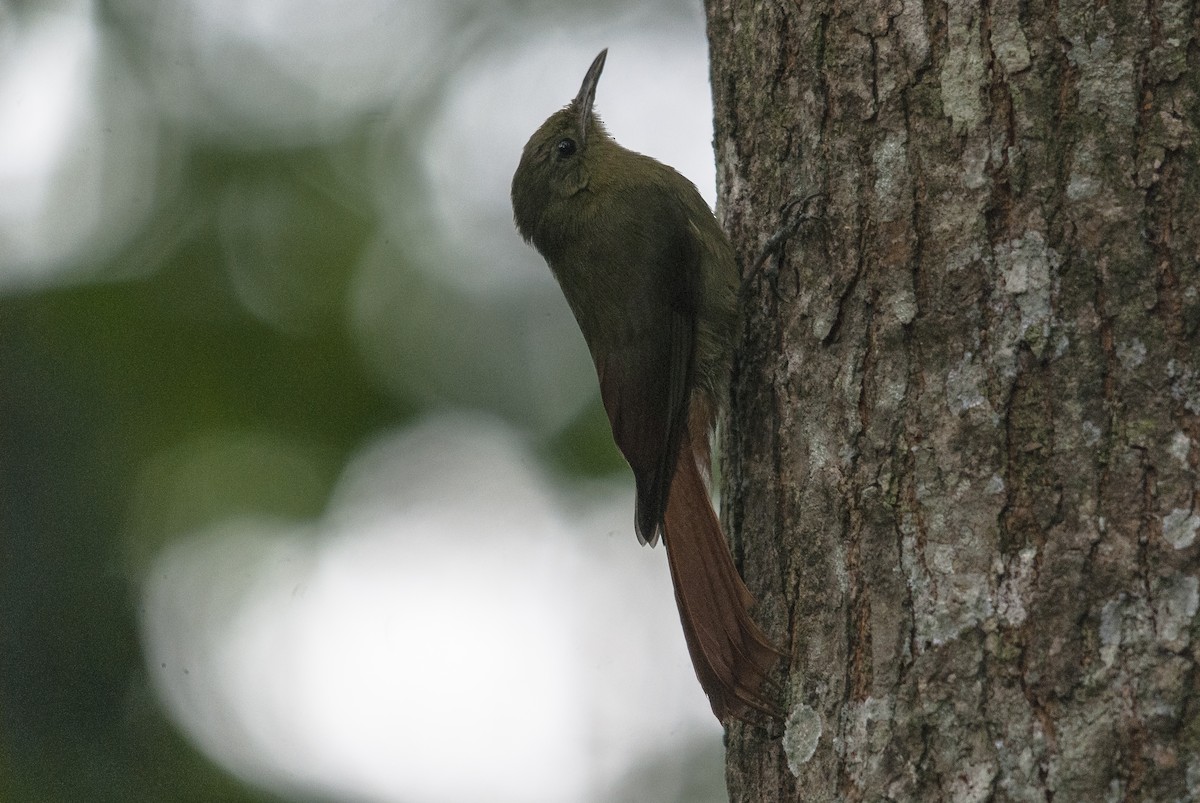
{"points": [[732, 656]]}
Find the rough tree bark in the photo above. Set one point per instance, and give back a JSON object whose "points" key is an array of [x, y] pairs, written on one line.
{"points": [[962, 466]]}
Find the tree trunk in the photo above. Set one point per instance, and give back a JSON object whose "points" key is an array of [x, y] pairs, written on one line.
{"points": [[962, 466]]}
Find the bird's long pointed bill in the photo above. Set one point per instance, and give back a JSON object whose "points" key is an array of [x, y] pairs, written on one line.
{"points": [[587, 94]]}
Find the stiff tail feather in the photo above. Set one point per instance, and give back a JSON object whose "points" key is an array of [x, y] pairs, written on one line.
{"points": [[732, 657]]}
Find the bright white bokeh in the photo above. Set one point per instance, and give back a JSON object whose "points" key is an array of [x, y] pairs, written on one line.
{"points": [[291, 72], [78, 147], [455, 628]]}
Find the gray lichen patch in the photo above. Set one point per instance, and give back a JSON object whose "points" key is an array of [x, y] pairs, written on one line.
{"points": [[1105, 78], [892, 186], [946, 600], [963, 68], [1179, 527], [1027, 265], [965, 385], [1185, 385], [1014, 591], [1175, 605], [973, 783], [1009, 44], [1131, 353], [1180, 447], [801, 735], [1165, 618]]}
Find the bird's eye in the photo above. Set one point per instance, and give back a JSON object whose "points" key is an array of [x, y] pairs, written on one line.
{"points": [[565, 147]]}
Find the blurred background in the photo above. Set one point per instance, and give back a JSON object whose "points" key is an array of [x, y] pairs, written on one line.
{"points": [[305, 489]]}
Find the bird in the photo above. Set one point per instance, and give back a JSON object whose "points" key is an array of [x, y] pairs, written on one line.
{"points": [[653, 283]]}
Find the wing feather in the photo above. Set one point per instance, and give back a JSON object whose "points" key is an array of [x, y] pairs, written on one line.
{"points": [[645, 377]]}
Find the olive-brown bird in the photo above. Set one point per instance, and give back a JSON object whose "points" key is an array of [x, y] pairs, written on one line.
{"points": [[653, 283]]}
